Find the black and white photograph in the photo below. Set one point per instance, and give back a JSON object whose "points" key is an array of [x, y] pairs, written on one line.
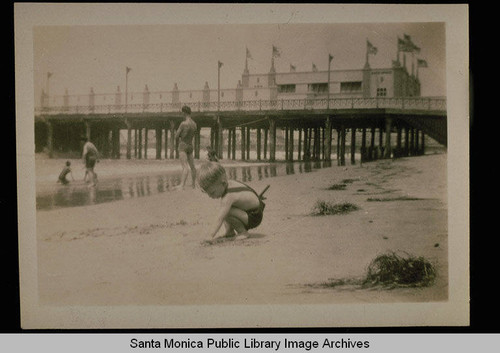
{"points": [[207, 166]]}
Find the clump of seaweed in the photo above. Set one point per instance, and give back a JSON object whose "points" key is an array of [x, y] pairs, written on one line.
{"points": [[340, 282], [324, 208], [393, 270], [349, 181], [337, 187], [386, 199]]}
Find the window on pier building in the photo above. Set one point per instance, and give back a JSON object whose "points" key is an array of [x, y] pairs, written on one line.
{"points": [[381, 92], [347, 87], [317, 87], [286, 88]]}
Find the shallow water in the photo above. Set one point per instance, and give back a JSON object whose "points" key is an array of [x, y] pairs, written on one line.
{"points": [[77, 193]]}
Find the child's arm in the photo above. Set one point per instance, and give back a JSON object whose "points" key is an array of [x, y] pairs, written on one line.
{"points": [[226, 206]]}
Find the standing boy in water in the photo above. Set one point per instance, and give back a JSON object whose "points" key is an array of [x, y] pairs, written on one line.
{"points": [[185, 134], [241, 207], [90, 156]]}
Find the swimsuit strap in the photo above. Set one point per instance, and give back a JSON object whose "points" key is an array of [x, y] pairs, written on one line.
{"points": [[237, 189], [245, 187]]}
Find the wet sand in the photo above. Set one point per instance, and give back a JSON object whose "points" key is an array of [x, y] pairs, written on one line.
{"points": [[151, 250]]}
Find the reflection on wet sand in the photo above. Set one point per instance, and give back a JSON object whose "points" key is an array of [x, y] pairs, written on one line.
{"points": [[113, 189]]}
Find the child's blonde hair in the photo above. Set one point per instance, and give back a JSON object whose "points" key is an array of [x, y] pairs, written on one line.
{"points": [[209, 173]]}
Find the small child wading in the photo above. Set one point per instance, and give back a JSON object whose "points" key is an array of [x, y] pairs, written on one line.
{"points": [[62, 176], [211, 154], [241, 207]]}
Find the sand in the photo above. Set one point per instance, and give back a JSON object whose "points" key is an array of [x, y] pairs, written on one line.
{"points": [[152, 250]]}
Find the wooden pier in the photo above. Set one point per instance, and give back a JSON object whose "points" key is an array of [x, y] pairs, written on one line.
{"points": [[384, 127]]}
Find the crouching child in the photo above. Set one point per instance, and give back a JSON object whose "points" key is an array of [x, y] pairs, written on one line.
{"points": [[66, 170], [241, 207]]}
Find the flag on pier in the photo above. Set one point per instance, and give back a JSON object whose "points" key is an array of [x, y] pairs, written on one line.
{"points": [[49, 74], [330, 58], [421, 63], [410, 44], [128, 69], [220, 64], [249, 56], [314, 68], [370, 49], [404, 46], [292, 68]]}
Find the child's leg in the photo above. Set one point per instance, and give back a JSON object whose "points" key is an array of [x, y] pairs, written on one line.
{"points": [[185, 171], [229, 230], [190, 161], [93, 177], [237, 219]]}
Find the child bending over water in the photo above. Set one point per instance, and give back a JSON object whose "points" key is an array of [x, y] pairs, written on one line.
{"points": [[66, 170], [211, 154], [241, 207]]}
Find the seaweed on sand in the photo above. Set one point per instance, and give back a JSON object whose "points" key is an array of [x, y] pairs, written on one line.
{"points": [[399, 198], [349, 181], [391, 271], [337, 187], [323, 208]]}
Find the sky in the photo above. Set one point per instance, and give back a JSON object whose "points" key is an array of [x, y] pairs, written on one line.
{"points": [[84, 56]]}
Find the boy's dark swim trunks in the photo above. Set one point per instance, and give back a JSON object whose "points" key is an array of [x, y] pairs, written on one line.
{"points": [[185, 147], [255, 216], [90, 160]]}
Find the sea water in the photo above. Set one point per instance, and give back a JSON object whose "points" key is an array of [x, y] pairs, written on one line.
{"points": [[111, 189]]}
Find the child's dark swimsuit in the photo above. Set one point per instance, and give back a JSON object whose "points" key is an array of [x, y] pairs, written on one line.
{"points": [[62, 176], [254, 215]]}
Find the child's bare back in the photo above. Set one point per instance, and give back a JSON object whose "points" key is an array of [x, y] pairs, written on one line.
{"points": [[241, 196]]}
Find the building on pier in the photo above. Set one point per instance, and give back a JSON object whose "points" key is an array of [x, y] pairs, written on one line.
{"points": [[394, 81], [305, 106], [366, 82]]}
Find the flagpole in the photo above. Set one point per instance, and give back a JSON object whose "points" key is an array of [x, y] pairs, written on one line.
{"points": [[330, 57], [398, 51], [367, 64], [47, 88], [48, 95], [218, 85], [126, 87], [246, 58], [412, 63]]}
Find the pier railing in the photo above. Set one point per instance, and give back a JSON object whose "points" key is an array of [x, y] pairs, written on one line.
{"points": [[405, 103]]}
